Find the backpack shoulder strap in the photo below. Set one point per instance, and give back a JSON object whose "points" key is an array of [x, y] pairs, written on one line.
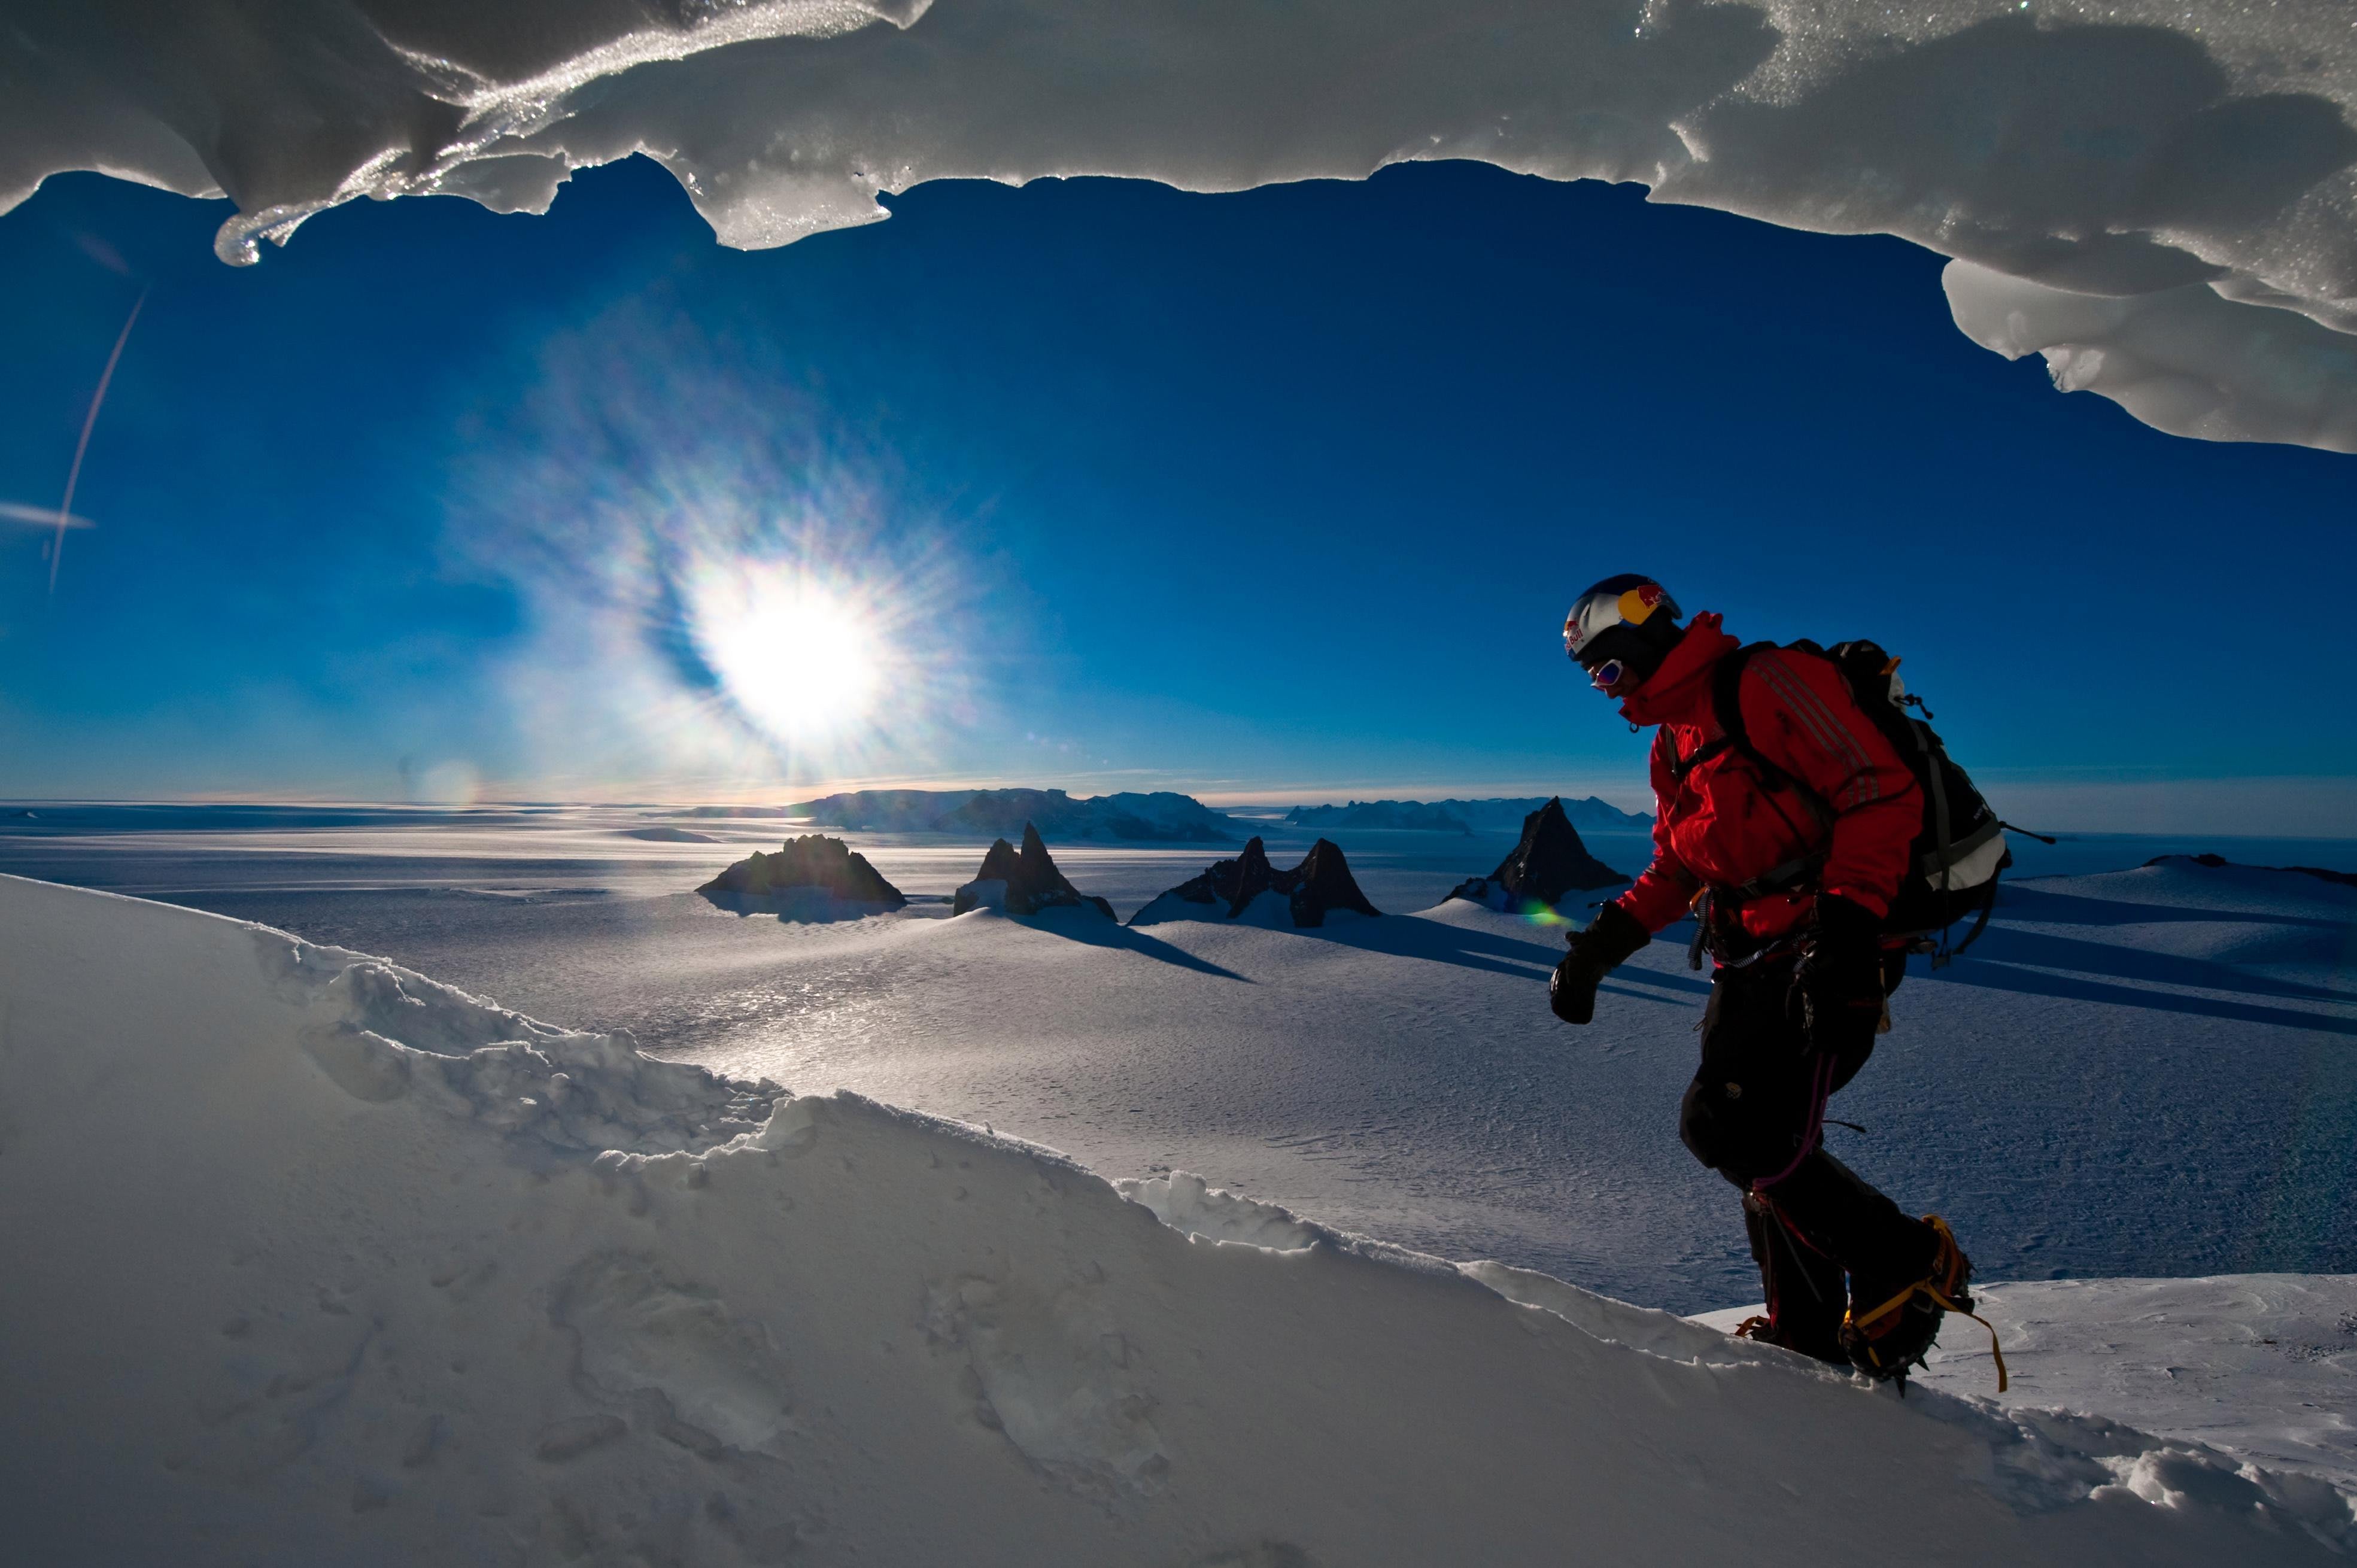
{"points": [[1727, 707], [1727, 696], [1679, 766]]}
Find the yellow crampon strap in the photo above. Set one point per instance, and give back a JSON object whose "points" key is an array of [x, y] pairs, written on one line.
{"points": [[1753, 1326], [1862, 1318], [1997, 1351]]}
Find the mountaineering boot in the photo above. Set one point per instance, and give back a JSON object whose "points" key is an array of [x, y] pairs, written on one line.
{"points": [[1804, 1288], [1890, 1329]]}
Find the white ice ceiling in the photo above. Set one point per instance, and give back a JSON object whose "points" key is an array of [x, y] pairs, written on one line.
{"points": [[2161, 197]]}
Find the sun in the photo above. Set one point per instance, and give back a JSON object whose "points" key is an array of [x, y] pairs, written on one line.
{"points": [[801, 657]]}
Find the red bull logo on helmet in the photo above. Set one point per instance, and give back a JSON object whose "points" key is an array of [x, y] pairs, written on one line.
{"points": [[1640, 601]]}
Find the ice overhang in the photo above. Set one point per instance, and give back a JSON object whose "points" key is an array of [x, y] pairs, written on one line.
{"points": [[2159, 197]]}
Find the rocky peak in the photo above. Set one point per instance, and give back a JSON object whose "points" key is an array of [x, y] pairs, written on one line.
{"points": [[1022, 881], [1548, 863], [1322, 883], [811, 866], [1320, 886]]}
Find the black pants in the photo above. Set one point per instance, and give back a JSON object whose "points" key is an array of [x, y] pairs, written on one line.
{"points": [[1754, 1114]]}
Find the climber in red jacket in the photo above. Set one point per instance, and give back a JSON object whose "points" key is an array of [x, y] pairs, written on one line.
{"points": [[1789, 849]]}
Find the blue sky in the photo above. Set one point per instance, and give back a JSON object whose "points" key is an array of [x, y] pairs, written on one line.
{"points": [[1272, 495]]}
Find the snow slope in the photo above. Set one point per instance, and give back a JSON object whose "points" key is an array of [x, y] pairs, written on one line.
{"points": [[2260, 1366], [326, 1263], [2155, 195]]}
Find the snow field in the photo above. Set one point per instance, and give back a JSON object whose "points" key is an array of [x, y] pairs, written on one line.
{"points": [[1267, 911], [2141, 1073], [2131, 1074], [2258, 1365], [2262, 1365], [325, 1262]]}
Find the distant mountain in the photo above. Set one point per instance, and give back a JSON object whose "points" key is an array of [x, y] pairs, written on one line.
{"points": [[1467, 816], [1158, 818], [1412, 815], [735, 811], [2219, 862]]}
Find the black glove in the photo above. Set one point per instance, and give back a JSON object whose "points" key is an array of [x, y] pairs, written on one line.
{"points": [[1840, 979], [1596, 952]]}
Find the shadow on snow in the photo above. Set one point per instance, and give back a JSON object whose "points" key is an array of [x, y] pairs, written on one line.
{"points": [[1090, 930], [1971, 969], [1438, 941]]}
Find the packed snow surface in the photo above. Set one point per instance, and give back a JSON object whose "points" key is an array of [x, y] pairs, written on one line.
{"points": [[2262, 1365], [325, 1262], [2157, 196]]}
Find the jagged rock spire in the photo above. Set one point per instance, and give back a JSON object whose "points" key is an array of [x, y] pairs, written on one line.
{"points": [[1320, 886], [1022, 882], [1548, 863]]}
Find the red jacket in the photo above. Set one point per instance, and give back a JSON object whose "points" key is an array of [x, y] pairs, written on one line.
{"points": [[1723, 824]]}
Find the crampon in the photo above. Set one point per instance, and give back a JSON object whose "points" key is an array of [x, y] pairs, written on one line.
{"points": [[1888, 1338]]}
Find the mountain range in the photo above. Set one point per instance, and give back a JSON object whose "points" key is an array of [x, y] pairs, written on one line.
{"points": [[1161, 817], [1591, 814]]}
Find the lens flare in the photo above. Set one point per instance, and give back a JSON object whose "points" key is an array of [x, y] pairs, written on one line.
{"points": [[726, 590], [801, 658]]}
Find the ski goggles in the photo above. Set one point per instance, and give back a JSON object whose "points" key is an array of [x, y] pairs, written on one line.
{"points": [[1607, 675]]}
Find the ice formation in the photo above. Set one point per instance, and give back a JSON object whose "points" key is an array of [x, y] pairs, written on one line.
{"points": [[336, 1264], [2156, 196]]}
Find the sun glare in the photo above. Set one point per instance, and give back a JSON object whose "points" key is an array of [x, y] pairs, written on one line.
{"points": [[801, 658]]}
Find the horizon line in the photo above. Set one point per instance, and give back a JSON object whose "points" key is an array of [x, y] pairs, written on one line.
{"points": [[2067, 799]]}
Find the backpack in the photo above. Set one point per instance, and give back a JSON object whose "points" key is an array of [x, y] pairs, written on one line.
{"points": [[1960, 852]]}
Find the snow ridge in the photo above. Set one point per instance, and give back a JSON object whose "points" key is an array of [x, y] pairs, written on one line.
{"points": [[380, 1033], [427, 1302]]}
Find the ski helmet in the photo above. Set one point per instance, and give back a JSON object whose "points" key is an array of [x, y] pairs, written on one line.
{"points": [[1630, 617]]}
